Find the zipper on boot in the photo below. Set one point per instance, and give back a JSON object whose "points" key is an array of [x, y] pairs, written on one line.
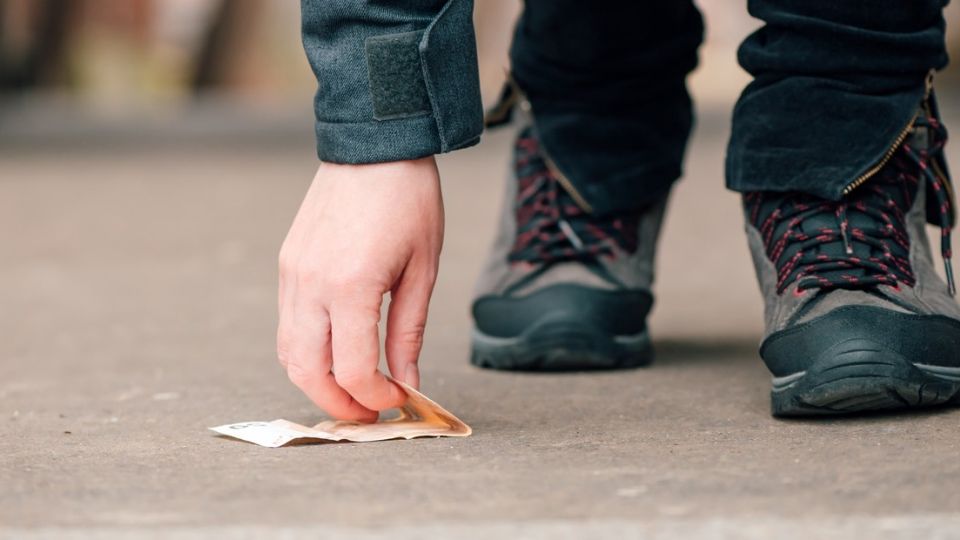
{"points": [[902, 136], [937, 171]]}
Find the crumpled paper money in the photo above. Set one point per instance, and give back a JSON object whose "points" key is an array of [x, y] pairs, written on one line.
{"points": [[419, 417]]}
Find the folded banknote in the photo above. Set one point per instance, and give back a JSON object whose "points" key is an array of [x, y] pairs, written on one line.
{"points": [[419, 417]]}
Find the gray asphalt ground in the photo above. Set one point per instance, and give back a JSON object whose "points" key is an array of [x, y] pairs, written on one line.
{"points": [[137, 308]]}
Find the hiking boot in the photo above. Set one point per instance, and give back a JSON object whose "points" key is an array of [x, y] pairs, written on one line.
{"points": [[564, 289], [857, 318]]}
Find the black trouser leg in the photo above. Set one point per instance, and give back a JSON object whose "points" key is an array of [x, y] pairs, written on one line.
{"points": [[607, 84], [835, 83]]}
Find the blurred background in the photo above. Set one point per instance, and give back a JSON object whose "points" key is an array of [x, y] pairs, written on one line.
{"points": [[112, 58]]}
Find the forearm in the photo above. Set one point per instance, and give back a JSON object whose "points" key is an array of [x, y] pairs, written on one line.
{"points": [[396, 80]]}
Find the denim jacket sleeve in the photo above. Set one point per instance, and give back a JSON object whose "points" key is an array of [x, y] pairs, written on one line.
{"points": [[396, 80]]}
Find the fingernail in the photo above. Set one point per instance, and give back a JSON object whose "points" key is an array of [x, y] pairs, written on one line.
{"points": [[412, 376]]}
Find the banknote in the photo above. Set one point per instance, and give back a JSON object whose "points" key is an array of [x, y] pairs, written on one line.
{"points": [[419, 417]]}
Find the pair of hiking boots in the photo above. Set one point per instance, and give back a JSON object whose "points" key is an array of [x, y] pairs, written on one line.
{"points": [[857, 318]]}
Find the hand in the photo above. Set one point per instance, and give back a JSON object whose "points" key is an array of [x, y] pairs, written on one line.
{"points": [[362, 231]]}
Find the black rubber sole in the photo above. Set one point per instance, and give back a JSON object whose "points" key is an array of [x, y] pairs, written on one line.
{"points": [[564, 327], [856, 359], [561, 346], [861, 381]]}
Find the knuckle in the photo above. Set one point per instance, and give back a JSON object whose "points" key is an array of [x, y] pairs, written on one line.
{"points": [[350, 379], [412, 336], [285, 261], [284, 343], [299, 374], [283, 352], [356, 290], [308, 276], [346, 281]]}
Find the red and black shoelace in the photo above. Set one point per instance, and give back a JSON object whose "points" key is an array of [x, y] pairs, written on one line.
{"points": [[551, 226], [860, 241]]}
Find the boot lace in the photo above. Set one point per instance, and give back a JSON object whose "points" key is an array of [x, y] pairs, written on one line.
{"points": [[551, 226], [860, 241]]}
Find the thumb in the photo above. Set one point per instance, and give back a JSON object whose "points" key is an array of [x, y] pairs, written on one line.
{"points": [[406, 321]]}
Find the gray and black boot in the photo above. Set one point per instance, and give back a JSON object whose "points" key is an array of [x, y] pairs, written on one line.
{"points": [[564, 289], [857, 318]]}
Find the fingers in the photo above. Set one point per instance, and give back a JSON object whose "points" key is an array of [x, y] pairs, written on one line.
{"points": [[356, 350], [406, 321], [336, 264], [303, 348]]}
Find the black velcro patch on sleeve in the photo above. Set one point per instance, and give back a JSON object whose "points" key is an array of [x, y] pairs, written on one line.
{"points": [[397, 87]]}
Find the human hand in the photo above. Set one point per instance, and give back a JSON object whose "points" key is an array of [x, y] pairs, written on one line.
{"points": [[361, 231]]}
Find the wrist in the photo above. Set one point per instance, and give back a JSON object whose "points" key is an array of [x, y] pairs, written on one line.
{"points": [[399, 165]]}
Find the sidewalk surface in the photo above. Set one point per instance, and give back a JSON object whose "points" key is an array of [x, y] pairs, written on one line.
{"points": [[137, 285]]}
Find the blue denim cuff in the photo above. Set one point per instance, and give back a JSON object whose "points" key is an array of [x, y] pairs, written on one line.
{"points": [[404, 94]]}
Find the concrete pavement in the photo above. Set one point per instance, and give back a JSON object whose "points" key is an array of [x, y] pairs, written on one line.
{"points": [[137, 285]]}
